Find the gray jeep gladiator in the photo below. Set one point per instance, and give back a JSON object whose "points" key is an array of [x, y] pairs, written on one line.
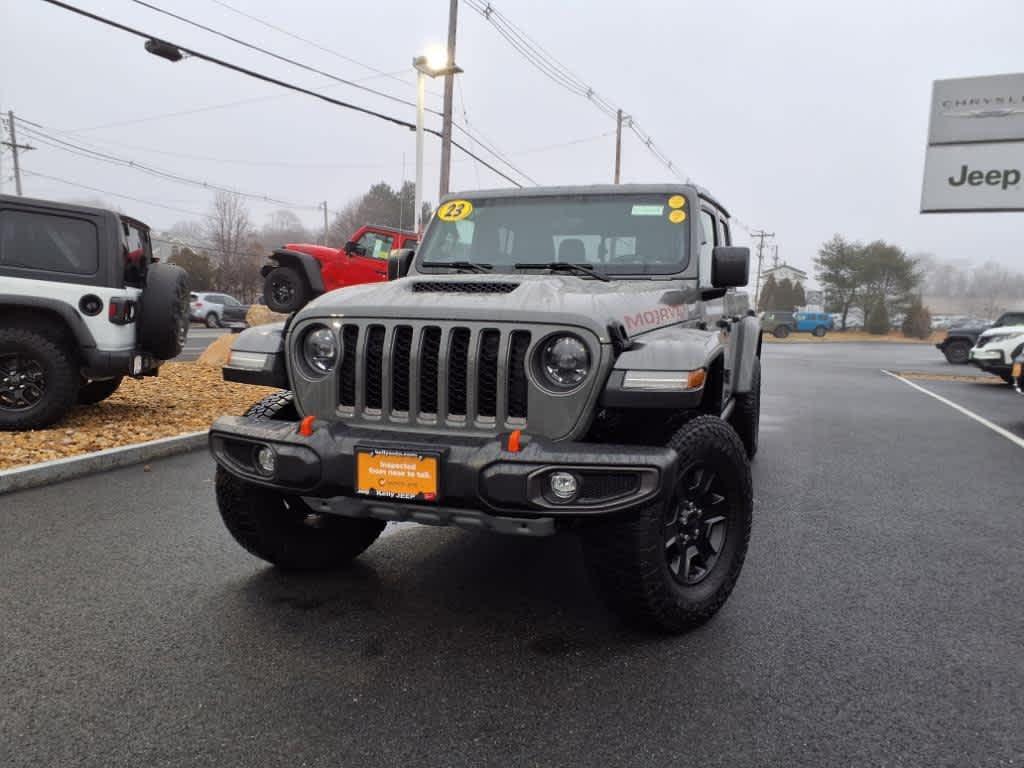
{"points": [[551, 359]]}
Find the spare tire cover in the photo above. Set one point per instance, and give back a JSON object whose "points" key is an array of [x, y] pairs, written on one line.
{"points": [[163, 313]]}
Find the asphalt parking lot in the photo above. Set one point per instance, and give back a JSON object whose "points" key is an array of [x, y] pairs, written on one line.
{"points": [[878, 620], [199, 338]]}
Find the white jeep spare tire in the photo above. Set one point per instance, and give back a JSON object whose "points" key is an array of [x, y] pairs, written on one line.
{"points": [[163, 312]]}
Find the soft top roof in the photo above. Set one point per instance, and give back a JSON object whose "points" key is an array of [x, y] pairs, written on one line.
{"points": [[592, 189]]}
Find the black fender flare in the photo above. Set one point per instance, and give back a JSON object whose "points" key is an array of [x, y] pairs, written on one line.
{"points": [[305, 263], [83, 336]]}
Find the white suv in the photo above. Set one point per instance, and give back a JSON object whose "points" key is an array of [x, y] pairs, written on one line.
{"points": [[996, 349], [81, 306]]}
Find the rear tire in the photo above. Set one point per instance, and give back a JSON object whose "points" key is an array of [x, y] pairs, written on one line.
{"points": [[662, 567], [746, 415], [957, 352], [95, 391], [163, 312], [38, 380], [285, 290], [282, 529], [781, 331]]}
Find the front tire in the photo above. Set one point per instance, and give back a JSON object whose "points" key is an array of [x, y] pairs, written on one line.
{"points": [[96, 391], [746, 415], [212, 321], [38, 380], [673, 564], [819, 331], [957, 352], [282, 529], [285, 290], [781, 331]]}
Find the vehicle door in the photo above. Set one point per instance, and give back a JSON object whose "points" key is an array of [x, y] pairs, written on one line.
{"points": [[369, 262]]}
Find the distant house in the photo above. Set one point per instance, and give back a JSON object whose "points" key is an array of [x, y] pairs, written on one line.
{"points": [[784, 272]]}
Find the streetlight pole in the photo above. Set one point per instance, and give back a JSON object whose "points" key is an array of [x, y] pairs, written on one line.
{"points": [[421, 87], [425, 68]]}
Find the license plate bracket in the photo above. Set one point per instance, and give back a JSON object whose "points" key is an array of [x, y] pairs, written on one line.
{"points": [[402, 475]]}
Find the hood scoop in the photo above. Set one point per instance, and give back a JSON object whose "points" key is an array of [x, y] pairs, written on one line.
{"points": [[468, 286]]}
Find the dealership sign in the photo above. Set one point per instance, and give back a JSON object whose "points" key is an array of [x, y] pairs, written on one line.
{"points": [[975, 157]]}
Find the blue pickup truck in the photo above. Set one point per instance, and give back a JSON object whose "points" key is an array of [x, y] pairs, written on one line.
{"points": [[781, 324]]}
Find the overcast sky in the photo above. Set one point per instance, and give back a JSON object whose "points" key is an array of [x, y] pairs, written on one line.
{"points": [[806, 117]]}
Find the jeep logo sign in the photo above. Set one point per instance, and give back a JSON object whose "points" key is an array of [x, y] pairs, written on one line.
{"points": [[975, 157], [974, 177]]}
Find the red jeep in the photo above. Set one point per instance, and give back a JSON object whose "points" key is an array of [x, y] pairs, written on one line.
{"points": [[299, 273]]}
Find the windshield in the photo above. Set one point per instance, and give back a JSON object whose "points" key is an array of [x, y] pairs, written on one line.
{"points": [[613, 234]]}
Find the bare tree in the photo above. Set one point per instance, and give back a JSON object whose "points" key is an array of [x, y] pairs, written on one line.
{"points": [[229, 233]]}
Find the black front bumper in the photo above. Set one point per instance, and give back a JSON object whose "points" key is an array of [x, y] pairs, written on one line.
{"points": [[479, 478]]}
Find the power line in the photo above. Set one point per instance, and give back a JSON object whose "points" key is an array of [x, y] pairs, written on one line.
{"points": [[67, 146], [273, 80], [277, 56], [113, 194], [318, 46], [487, 145]]}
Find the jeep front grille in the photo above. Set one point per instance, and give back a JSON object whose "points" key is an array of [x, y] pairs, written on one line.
{"points": [[434, 374]]}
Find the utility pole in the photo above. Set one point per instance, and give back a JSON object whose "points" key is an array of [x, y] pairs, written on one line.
{"points": [[449, 87], [618, 146], [15, 146], [775, 256], [761, 235], [325, 222]]}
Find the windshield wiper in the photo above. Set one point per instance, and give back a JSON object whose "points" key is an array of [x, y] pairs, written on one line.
{"points": [[564, 266], [462, 266]]}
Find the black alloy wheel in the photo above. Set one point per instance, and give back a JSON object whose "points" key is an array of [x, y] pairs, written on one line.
{"points": [[22, 382], [282, 290], [696, 524]]}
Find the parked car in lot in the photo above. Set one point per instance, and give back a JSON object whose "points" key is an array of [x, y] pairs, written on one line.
{"points": [[550, 359], [997, 348], [781, 324], [1017, 373], [82, 305], [299, 273], [959, 339], [217, 310]]}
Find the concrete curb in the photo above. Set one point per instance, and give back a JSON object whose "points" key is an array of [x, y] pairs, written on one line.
{"points": [[57, 470]]}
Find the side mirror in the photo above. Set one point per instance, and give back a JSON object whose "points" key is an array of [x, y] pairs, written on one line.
{"points": [[399, 262], [353, 247], [730, 266]]}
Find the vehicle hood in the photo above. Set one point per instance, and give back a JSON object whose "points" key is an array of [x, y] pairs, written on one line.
{"points": [[638, 306], [1003, 330]]}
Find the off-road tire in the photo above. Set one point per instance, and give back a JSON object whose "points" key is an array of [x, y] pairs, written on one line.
{"points": [[746, 414], [212, 321], [163, 319], [627, 558], [92, 392], [285, 280], [820, 331], [60, 372], [957, 352], [280, 528], [781, 331]]}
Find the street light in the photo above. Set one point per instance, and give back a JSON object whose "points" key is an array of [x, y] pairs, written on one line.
{"points": [[434, 64]]}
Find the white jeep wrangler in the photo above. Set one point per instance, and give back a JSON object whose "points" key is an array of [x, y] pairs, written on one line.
{"points": [[81, 306]]}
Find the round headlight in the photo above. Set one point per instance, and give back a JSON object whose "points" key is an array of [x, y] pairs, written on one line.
{"points": [[320, 350], [564, 362]]}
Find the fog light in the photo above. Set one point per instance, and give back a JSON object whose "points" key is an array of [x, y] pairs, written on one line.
{"points": [[266, 460], [563, 485]]}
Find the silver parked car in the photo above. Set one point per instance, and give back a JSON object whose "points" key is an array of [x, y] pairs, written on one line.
{"points": [[217, 309]]}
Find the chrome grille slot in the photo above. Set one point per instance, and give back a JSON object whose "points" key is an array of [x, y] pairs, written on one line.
{"points": [[451, 375]]}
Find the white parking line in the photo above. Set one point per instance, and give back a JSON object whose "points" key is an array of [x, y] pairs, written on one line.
{"points": [[970, 414]]}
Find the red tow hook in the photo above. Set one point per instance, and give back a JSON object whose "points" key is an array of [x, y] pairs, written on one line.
{"points": [[306, 426], [515, 441]]}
